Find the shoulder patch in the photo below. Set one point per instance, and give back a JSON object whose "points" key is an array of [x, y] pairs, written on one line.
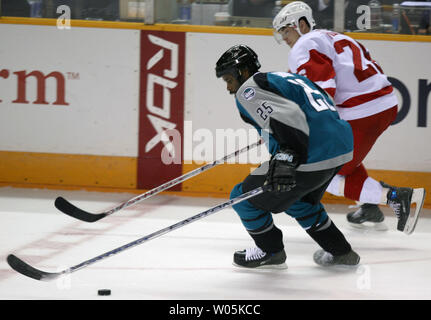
{"points": [[248, 93]]}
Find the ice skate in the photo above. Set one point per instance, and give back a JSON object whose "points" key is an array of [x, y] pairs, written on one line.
{"points": [[367, 217], [400, 200], [256, 258], [325, 259]]}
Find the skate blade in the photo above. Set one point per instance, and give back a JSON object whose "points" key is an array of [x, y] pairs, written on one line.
{"points": [[340, 267], [418, 198], [264, 267], [369, 226]]}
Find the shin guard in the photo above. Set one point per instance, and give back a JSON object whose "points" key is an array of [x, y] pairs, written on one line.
{"points": [[330, 238]]}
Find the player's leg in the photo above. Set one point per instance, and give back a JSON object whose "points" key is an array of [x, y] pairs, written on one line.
{"points": [[303, 203], [257, 220], [336, 250], [311, 215], [401, 199], [369, 214], [353, 181], [256, 215], [374, 193]]}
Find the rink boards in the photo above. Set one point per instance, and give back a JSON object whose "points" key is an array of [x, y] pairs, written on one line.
{"points": [[88, 107]]}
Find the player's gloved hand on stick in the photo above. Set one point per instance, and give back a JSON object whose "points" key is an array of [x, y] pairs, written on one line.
{"points": [[282, 171]]}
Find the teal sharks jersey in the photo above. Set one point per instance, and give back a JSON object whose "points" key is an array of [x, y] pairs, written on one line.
{"points": [[292, 112]]}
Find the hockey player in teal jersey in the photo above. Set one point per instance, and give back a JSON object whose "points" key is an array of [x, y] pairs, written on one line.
{"points": [[308, 142]]}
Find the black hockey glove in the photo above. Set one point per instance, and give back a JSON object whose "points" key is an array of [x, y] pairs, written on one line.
{"points": [[282, 171]]}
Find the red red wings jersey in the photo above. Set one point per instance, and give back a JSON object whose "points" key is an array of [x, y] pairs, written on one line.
{"points": [[345, 69]]}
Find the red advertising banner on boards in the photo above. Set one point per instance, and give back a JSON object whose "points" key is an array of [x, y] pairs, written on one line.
{"points": [[161, 108]]}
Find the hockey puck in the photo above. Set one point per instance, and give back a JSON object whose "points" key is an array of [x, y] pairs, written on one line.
{"points": [[104, 292]]}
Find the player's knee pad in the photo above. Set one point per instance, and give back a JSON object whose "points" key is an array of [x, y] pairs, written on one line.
{"points": [[308, 215], [236, 191]]}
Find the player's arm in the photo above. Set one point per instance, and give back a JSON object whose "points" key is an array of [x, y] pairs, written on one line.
{"points": [[309, 60], [284, 120], [269, 140], [290, 129], [290, 137], [269, 110]]}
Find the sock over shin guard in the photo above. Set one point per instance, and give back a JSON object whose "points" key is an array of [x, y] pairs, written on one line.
{"points": [[330, 239], [355, 182], [270, 241]]}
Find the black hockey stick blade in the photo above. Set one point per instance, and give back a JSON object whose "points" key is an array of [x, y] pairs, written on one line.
{"points": [[25, 269], [66, 207]]}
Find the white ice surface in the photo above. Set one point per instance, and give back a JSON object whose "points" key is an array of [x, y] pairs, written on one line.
{"points": [[195, 261]]}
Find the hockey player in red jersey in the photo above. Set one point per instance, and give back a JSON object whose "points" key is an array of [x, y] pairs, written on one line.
{"points": [[363, 96]]}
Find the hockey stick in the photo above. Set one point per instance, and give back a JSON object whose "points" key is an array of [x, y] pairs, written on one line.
{"points": [[66, 207], [24, 268]]}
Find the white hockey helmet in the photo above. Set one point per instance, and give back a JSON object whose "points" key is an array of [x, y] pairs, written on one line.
{"points": [[290, 15]]}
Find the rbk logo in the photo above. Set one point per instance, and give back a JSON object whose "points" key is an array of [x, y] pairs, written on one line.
{"points": [[161, 107], [159, 116]]}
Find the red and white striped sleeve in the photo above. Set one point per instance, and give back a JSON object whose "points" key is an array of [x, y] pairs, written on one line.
{"points": [[307, 59]]}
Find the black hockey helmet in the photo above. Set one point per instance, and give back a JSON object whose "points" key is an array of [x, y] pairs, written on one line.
{"points": [[237, 57]]}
